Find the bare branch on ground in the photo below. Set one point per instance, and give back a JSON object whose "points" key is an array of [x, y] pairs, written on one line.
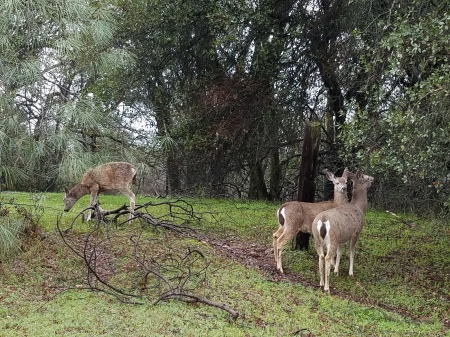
{"points": [[139, 261]]}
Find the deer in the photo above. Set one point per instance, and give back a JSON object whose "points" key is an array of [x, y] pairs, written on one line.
{"points": [[109, 178], [295, 216], [335, 227]]}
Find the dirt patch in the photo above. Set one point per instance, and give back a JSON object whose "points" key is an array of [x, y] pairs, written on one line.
{"points": [[254, 255]]}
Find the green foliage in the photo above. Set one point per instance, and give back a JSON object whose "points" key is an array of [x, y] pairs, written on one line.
{"points": [[10, 229], [216, 94], [50, 56], [404, 137], [18, 224]]}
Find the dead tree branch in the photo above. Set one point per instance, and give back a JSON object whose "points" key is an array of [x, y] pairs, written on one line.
{"points": [[197, 299], [133, 263], [406, 222]]}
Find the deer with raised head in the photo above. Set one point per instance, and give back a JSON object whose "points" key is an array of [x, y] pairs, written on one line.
{"points": [[295, 216], [110, 178], [334, 227]]}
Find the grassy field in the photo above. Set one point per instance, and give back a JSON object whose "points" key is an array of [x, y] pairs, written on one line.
{"points": [[401, 285]]}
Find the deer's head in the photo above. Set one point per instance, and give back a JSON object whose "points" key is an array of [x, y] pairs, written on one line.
{"points": [[362, 179], [69, 200], [340, 183]]}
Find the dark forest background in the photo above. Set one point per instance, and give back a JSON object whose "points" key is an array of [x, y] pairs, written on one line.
{"points": [[216, 97]]}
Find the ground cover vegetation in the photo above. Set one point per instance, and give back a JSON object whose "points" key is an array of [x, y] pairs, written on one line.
{"points": [[399, 287]]}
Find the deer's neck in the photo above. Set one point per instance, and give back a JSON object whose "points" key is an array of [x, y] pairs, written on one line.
{"points": [[80, 190], [359, 198], [340, 198]]}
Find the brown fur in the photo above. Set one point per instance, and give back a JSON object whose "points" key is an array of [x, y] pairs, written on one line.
{"points": [[298, 216], [110, 178], [340, 225]]}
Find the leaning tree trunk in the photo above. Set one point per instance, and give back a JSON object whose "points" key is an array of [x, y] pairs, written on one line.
{"points": [[306, 180]]}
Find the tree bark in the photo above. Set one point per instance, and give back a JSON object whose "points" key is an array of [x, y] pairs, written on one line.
{"points": [[306, 180], [275, 175], [257, 188], [173, 183]]}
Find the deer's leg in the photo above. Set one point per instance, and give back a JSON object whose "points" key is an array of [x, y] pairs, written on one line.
{"points": [[276, 235], [132, 197], [283, 238], [352, 254], [352, 246], [338, 259], [93, 201], [320, 252], [329, 261]]}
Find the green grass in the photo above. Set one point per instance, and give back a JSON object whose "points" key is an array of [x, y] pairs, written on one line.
{"points": [[400, 288]]}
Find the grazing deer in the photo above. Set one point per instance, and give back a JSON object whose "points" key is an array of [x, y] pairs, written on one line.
{"points": [[295, 216], [334, 227], [108, 178]]}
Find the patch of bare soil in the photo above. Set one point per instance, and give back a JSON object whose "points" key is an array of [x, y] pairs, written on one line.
{"points": [[255, 256]]}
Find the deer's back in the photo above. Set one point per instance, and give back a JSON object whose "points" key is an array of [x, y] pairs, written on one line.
{"points": [[346, 220], [113, 176], [301, 214]]}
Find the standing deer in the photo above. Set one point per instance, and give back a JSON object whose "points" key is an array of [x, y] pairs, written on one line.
{"points": [[295, 216], [110, 178], [334, 227]]}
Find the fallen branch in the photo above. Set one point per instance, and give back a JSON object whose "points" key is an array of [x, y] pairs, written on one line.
{"points": [[194, 299], [148, 271], [301, 331], [114, 211], [403, 221]]}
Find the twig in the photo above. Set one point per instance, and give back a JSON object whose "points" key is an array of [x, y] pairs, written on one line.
{"points": [[301, 331], [403, 221], [193, 299], [114, 211]]}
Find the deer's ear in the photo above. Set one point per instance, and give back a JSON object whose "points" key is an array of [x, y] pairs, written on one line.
{"points": [[348, 174], [345, 174], [359, 174], [329, 175]]}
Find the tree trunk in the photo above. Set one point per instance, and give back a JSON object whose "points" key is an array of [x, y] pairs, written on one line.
{"points": [[275, 175], [163, 125], [218, 170], [173, 183], [306, 180], [257, 189]]}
